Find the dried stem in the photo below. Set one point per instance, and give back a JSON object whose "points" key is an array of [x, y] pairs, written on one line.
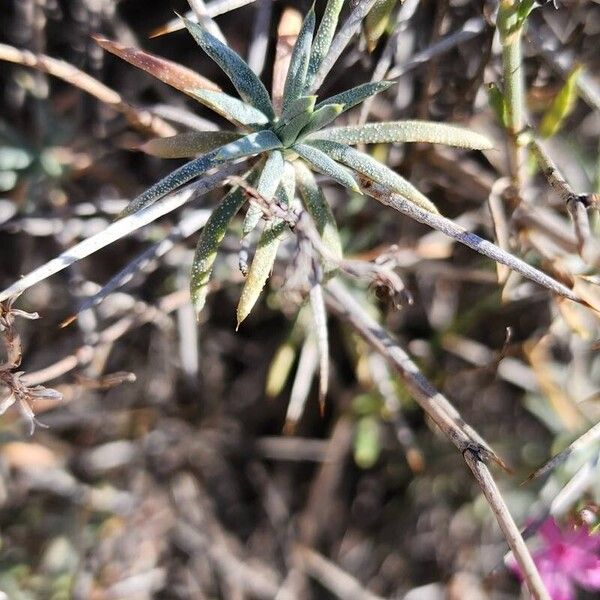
{"points": [[465, 237], [509, 528], [441, 411], [139, 118]]}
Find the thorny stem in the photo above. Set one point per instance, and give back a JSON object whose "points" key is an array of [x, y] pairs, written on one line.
{"points": [[510, 29], [443, 413]]}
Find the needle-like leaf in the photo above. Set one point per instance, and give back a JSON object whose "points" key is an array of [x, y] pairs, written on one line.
{"points": [[324, 36], [268, 182], [188, 144], [350, 98], [261, 267], [318, 208], [322, 163], [296, 75], [231, 108], [245, 81], [321, 117], [373, 169], [208, 243], [406, 131], [245, 146]]}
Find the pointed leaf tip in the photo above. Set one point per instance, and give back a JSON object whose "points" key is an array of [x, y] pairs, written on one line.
{"points": [[245, 81]]}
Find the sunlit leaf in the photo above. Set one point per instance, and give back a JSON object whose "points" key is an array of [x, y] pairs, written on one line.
{"points": [[245, 81], [290, 130], [262, 265], [377, 20], [296, 75], [321, 117], [358, 94], [318, 208], [169, 72], [245, 146], [405, 131], [562, 105], [373, 169], [299, 106], [231, 108], [268, 182], [322, 163], [208, 243], [188, 144], [325, 34]]}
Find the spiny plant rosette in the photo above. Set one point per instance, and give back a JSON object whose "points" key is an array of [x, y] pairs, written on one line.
{"points": [[290, 145]]}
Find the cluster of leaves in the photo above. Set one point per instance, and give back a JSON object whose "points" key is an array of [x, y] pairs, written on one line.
{"points": [[290, 146]]}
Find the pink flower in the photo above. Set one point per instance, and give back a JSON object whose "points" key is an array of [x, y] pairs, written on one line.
{"points": [[566, 558]]}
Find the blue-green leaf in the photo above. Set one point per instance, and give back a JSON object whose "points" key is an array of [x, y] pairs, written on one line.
{"points": [[322, 163], [208, 243], [253, 143], [261, 267], [290, 130], [406, 131], [245, 81], [298, 106], [268, 182], [373, 169], [211, 237], [321, 117], [324, 36], [296, 75], [231, 108], [246, 146], [188, 144], [358, 94], [319, 209]]}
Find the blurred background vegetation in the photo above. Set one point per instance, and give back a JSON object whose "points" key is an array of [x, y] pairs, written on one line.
{"points": [[191, 461]]}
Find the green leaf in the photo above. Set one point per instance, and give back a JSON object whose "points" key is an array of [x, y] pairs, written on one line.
{"points": [[208, 243], [231, 108], [324, 37], [188, 144], [296, 75], [245, 81], [322, 163], [287, 188], [251, 144], [261, 267], [562, 105], [322, 117], [248, 145], [377, 20], [319, 209], [372, 169], [367, 446], [289, 131], [350, 98], [405, 131], [268, 182], [299, 106]]}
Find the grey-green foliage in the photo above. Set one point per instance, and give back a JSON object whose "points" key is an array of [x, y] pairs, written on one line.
{"points": [[292, 144]]}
